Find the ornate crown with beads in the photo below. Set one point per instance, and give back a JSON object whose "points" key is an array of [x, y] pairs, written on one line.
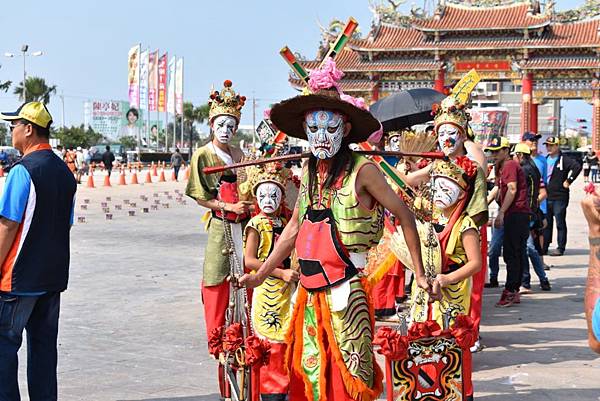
{"points": [[462, 171], [452, 109], [270, 172], [225, 102]]}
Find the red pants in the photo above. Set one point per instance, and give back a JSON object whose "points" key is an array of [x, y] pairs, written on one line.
{"points": [[479, 281], [388, 289], [274, 378], [215, 299]]}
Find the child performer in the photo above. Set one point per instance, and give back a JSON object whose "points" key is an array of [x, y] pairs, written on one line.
{"points": [[271, 301]]}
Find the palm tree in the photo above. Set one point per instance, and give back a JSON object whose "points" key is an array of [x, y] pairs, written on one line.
{"points": [[36, 90]]}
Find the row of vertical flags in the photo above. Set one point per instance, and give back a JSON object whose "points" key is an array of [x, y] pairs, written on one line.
{"points": [[155, 83]]}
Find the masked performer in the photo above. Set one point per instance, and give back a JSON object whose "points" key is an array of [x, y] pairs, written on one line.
{"points": [[219, 194], [271, 301], [452, 129], [338, 217]]}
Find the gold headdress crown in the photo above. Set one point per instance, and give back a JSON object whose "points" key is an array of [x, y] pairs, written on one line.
{"points": [[452, 110], [462, 171], [270, 172], [225, 102]]}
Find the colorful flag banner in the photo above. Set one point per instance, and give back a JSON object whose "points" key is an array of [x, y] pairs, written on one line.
{"points": [[133, 75], [162, 83], [152, 80], [171, 87], [144, 79], [179, 86]]}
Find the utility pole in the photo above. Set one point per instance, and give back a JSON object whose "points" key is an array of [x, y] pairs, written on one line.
{"points": [[253, 120], [24, 54]]}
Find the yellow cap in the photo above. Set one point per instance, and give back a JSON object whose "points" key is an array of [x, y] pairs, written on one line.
{"points": [[34, 112], [522, 148], [497, 143]]}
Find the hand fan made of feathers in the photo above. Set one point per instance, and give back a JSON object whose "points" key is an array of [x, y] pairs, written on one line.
{"points": [[430, 252]]}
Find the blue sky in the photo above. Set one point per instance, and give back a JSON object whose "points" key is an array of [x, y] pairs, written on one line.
{"points": [[85, 45]]}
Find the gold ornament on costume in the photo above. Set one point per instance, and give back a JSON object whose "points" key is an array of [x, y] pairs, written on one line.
{"points": [[271, 172], [226, 102], [461, 171], [452, 110]]}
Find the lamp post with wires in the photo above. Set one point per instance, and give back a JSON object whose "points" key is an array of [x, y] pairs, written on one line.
{"points": [[24, 53]]}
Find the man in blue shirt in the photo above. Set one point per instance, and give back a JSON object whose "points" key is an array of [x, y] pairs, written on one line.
{"points": [[36, 214]]}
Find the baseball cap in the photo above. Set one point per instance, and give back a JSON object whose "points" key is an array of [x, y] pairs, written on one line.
{"points": [[35, 112], [522, 148], [530, 136], [497, 143], [552, 140]]}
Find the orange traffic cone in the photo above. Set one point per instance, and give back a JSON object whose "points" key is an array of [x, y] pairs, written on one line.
{"points": [[148, 178], [122, 178], [134, 179], [187, 173], [107, 181], [1, 171], [90, 181], [154, 171], [162, 176], [173, 177]]}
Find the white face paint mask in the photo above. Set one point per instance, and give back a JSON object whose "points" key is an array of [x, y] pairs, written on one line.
{"points": [[269, 197], [445, 192], [449, 138], [224, 128], [394, 143], [325, 132]]}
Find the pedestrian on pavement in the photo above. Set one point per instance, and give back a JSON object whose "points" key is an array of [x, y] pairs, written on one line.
{"points": [[108, 158], [513, 215], [591, 210], [36, 214], [176, 162], [590, 164], [531, 139], [79, 163], [536, 190], [71, 161], [562, 171]]}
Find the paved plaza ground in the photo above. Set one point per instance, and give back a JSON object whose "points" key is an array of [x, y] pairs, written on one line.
{"points": [[132, 321]]}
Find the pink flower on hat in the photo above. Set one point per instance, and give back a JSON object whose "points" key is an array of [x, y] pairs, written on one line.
{"points": [[325, 77]]}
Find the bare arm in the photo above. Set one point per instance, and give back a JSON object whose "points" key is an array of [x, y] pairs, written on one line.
{"points": [[371, 180], [416, 178], [8, 232], [542, 195], [592, 288], [282, 250], [240, 207], [511, 192], [253, 263], [471, 244]]}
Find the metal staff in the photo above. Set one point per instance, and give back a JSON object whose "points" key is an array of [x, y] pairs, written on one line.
{"points": [[298, 156]]}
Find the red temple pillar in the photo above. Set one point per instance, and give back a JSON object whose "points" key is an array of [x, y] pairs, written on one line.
{"points": [[440, 80], [533, 118], [526, 92], [375, 89], [596, 115]]}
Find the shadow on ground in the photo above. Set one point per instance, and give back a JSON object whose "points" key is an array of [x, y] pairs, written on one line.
{"points": [[208, 397]]}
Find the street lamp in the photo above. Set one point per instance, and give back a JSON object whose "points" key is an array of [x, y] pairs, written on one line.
{"points": [[24, 53]]}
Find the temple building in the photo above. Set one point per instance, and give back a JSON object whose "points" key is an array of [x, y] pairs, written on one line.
{"points": [[529, 56]]}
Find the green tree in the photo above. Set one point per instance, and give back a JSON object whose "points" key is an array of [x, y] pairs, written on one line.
{"points": [[71, 137], [37, 90], [3, 135], [128, 142], [4, 86]]}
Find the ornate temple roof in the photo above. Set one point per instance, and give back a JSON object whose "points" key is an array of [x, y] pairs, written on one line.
{"points": [[394, 38], [451, 17]]}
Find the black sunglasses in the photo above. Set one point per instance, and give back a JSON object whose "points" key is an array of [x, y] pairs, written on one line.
{"points": [[12, 127]]}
